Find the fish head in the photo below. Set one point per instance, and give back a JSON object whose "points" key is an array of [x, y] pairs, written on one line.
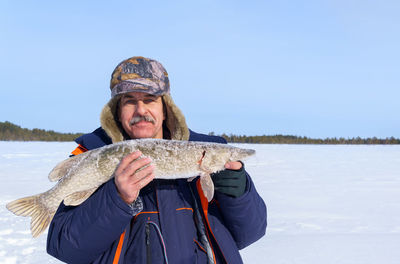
{"points": [[240, 153], [215, 157]]}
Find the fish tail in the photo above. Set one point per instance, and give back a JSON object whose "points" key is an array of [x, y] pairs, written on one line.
{"points": [[31, 206]]}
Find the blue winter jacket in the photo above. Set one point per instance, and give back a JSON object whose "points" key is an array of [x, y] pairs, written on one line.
{"points": [[103, 229]]}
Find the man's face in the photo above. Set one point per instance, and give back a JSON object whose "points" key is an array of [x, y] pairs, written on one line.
{"points": [[141, 115]]}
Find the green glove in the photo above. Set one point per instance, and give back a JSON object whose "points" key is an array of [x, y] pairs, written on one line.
{"points": [[230, 182]]}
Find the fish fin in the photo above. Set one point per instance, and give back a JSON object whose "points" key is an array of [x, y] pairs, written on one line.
{"points": [[207, 186], [62, 168], [31, 206], [77, 198]]}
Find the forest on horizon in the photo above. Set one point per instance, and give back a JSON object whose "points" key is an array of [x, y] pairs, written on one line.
{"points": [[12, 132]]}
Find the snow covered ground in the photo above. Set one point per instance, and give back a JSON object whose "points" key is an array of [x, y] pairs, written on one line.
{"points": [[326, 204]]}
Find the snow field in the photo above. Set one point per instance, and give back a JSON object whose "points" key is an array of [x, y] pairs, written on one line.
{"points": [[326, 204]]}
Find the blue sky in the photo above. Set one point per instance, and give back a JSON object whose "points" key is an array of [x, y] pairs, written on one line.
{"points": [[306, 68]]}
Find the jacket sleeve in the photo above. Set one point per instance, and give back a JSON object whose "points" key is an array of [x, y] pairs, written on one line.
{"points": [[83, 233], [245, 216]]}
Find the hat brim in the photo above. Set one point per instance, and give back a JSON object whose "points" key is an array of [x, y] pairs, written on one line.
{"points": [[138, 85]]}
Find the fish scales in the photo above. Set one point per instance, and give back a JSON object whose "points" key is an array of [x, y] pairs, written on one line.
{"points": [[79, 176]]}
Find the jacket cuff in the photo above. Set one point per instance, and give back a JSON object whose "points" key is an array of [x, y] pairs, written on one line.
{"points": [[131, 209]]}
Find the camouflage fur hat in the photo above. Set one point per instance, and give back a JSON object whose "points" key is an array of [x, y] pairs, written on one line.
{"points": [[139, 74]]}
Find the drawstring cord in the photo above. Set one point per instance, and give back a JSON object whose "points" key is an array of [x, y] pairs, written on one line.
{"points": [[161, 238]]}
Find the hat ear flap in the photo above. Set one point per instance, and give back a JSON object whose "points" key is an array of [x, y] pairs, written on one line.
{"points": [[109, 120], [175, 120]]}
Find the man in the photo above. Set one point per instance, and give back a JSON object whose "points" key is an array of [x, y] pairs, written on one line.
{"points": [[134, 218]]}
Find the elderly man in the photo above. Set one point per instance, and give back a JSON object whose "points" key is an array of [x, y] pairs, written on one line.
{"points": [[134, 218]]}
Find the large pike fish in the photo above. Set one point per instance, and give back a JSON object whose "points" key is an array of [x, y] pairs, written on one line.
{"points": [[79, 176]]}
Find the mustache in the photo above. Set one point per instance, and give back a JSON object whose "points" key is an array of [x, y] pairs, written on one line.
{"points": [[137, 119]]}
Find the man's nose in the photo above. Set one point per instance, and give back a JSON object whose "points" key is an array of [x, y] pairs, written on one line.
{"points": [[141, 108]]}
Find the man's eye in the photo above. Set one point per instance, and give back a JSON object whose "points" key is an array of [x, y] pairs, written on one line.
{"points": [[147, 101], [130, 101]]}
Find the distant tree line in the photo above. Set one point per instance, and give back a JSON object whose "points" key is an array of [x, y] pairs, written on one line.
{"points": [[282, 139], [11, 132]]}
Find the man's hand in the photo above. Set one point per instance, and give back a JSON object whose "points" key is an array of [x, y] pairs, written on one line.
{"points": [[234, 165], [231, 181], [129, 180]]}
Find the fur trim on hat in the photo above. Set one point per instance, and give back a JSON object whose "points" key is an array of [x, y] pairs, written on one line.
{"points": [[174, 121]]}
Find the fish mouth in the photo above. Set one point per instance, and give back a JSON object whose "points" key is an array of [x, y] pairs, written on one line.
{"points": [[247, 153], [251, 152]]}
